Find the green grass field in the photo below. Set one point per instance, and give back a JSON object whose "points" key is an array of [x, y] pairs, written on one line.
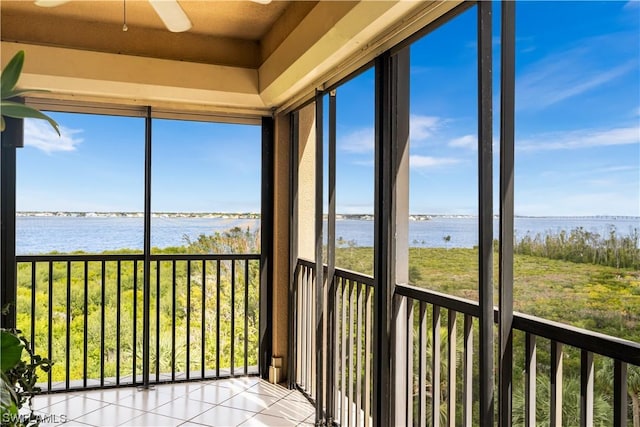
{"points": [[596, 297]]}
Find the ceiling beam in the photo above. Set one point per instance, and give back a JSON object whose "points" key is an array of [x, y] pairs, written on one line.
{"points": [[108, 37], [132, 79], [326, 36]]}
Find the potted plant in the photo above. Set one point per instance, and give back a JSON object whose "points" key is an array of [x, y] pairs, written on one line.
{"points": [[18, 363], [9, 90], [18, 378]]}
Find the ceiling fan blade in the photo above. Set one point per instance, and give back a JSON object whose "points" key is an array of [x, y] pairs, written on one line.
{"points": [[172, 15], [50, 3]]}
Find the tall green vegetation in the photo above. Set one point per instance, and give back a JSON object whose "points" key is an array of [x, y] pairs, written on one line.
{"points": [[553, 282], [582, 246], [598, 290], [196, 287]]}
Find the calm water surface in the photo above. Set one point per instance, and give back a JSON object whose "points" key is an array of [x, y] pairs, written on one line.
{"points": [[96, 234]]}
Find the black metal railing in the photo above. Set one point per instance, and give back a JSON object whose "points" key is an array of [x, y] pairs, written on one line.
{"points": [[435, 375], [85, 312], [432, 397], [351, 342]]}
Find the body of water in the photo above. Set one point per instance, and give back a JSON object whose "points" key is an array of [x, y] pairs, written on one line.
{"points": [[95, 234]]}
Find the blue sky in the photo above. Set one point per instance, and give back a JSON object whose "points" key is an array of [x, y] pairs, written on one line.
{"points": [[577, 131]]}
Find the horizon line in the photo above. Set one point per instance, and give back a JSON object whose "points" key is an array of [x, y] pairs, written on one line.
{"points": [[338, 214]]}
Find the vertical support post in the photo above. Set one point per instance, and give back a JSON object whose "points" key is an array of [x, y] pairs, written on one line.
{"points": [[146, 292], [266, 248], [383, 233], [293, 246], [507, 126], [485, 206], [390, 227], [12, 137], [319, 273], [331, 260]]}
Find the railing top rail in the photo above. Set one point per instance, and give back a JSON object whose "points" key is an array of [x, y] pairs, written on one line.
{"points": [[204, 257], [134, 257], [342, 273], [355, 276], [306, 263], [595, 342], [79, 257], [461, 305]]}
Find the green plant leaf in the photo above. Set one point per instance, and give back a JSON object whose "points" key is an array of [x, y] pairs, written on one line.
{"points": [[11, 348], [21, 111], [11, 74], [20, 92], [9, 401]]}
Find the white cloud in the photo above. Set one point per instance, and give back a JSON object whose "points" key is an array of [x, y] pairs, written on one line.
{"points": [[423, 127], [614, 169], [429, 162], [565, 74], [358, 141], [587, 138], [363, 140], [466, 141], [39, 134]]}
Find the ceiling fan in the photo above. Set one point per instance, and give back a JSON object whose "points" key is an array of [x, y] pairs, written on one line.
{"points": [[169, 12]]}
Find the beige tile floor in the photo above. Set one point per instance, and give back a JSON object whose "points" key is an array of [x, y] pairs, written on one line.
{"points": [[246, 401]]}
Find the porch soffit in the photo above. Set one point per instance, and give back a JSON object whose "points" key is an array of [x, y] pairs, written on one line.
{"points": [[239, 56]]}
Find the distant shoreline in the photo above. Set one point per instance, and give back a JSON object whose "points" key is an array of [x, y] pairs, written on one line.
{"points": [[253, 215]]}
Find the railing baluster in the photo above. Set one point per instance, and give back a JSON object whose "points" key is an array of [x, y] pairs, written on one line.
{"points": [[118, 312], [351, 400], [188, 341], [586, 389], [86, 326], [435, 367], [343, 364], [33, 306], [298, 325], [556, 384], [233, 314], [422, 366], [367, 354], [336, 348], [157, 321], [409, 363], [50, 328], [468, 371], [68, 329], [246, 317], [304, 316], [203, 320], [311, 374], [451, 386], [173, 320], [619, 394], [309, 335], [530, 380], [102, 298], [359, 354], [218, 286], [134, 344]]}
